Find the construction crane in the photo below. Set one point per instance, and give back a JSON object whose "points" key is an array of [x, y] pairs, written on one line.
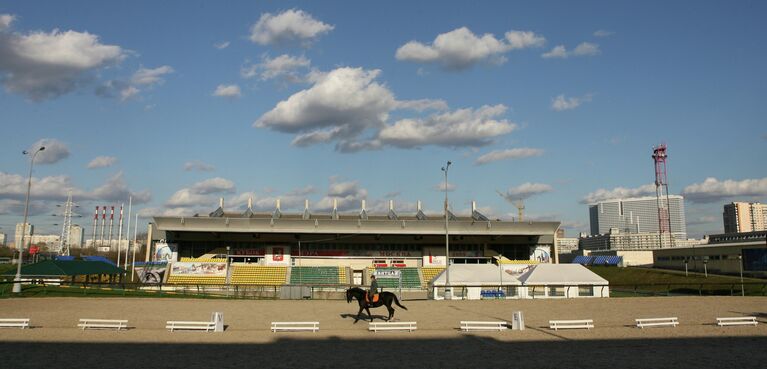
{"points": [[519, 204]]}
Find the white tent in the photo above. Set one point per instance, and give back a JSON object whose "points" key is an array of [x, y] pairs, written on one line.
{"points": [[563, 280], [468, 281]]}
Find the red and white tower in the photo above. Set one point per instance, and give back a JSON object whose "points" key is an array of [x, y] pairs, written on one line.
{"points": [[660, 157]]}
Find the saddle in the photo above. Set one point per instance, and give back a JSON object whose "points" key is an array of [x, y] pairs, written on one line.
{"points": [[367, 298]]}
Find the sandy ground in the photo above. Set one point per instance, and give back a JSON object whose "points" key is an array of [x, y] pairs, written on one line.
{"points": [[247, 342]]}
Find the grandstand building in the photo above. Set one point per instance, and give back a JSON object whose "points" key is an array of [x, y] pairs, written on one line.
{"points": [[342, 248]]}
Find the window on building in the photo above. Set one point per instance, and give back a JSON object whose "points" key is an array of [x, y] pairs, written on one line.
{"points": [[585, 290], [556, 291]]}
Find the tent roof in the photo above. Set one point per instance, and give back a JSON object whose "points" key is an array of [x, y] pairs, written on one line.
{"points": [[553, 274], [68, 268], [476, 275]]}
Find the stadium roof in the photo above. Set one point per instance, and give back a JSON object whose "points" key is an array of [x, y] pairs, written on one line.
{"points": [[561, 274], [476, 275], [68, 268]]}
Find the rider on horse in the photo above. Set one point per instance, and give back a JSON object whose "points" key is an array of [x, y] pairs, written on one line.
{"points": [[373, 289]]}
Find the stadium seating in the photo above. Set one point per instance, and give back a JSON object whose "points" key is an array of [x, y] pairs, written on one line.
{"points": [[410, 278], [429, 273], [196, 279], [583, 260], [203, 260], [259, 274], [317, 275], [607, 260]]}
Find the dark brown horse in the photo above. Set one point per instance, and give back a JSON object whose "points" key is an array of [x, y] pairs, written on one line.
{"points": [[384, 298]]}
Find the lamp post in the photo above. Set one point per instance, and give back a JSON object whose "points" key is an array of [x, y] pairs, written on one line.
{"points": [[17, 280], [448, 291], [740, 263]]}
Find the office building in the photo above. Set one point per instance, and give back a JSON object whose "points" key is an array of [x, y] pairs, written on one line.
{"points": [[744, 217], [636, 215]]}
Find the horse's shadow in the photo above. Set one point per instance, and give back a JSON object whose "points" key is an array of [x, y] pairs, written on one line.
{"points": [[364, 316]]}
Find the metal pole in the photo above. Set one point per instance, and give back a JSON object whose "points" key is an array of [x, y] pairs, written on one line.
{"points": [[685, 268], [17, 280], [740, 263], [133, 267], [127, 237], [448, 292], [300, 271], [705, 268], [120, 235]]}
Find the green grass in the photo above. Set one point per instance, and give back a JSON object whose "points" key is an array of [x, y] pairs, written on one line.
{"points": [[647, 281]]}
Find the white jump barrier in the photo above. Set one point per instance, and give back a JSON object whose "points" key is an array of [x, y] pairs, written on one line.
{"points": [[657, 322], [571, 324], [740, 320], [117, 324], [467, 325], [295, 326], [14, 323], [216, 324], [393, 326]]}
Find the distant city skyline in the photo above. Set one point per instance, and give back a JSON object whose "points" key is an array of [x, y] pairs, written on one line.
{"points": [[558, 105]]}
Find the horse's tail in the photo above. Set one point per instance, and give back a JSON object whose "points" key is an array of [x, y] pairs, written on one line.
{"points": [[396, 301]]}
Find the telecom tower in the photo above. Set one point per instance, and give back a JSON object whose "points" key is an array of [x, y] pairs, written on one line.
{"points": [[67, 227], [661, 194]]}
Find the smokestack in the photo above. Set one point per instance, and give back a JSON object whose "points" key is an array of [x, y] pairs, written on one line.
{"points": [[111, 224], [95, 226], [103, 224]]}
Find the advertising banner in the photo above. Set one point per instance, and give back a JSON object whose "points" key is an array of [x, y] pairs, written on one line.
{"points": [[151, 273], [199, 269]]}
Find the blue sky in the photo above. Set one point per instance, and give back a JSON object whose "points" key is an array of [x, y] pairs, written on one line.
{"points": [[558, 103]]}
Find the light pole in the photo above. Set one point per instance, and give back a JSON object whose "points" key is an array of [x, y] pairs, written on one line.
{"points": [[448, 291], [740, 263], [17, 280]]}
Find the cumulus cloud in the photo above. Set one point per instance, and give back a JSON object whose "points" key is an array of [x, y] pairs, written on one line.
{"points": [[526, 190], [43, 65], [516, 153], [221, 45], [54, 152], [618, 193], [284, 67], [14, 186], [116, 189], [561, 102], [341, 104], [199, 166], [6, 20], [150, 76], [288, 26], [583, 49], [714, 190], [461, 48], [102, 162], [346, 104], [603, 33], [201, 193], [228, 91], [462, 127], [348, 194]]}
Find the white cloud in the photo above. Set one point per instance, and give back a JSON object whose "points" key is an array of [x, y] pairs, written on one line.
{"points": [[713, 190], [148, 77], [341, 104], [116, 189], [213, 185], [618, 193], [561, 102], [423, 104], [583, 49], [221, 45], [290, 25], [586, 49], [14, 186], [128, 93], [603, 33], [44, 65], [201, 193], [197, 165], [54, 151], [349, 195], [516, 153], [526, 190], [558, 51], [102, 162], [229, 91], [6, 20], [284, 66], [463, 127], [461, 48]]}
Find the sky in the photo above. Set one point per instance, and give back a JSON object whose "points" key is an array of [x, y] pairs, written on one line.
{"points": [[556, 103]]}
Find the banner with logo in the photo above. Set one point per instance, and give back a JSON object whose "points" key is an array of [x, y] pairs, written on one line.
{"points": [[199, 269], [151, 273]]}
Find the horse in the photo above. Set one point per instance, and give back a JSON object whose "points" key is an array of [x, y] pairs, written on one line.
{"points": [[384, 298]]}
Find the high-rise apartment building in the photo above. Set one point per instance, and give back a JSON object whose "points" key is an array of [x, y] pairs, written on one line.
{"points": [[76, 236], [636, 215], [28, 231], [744, 217], [2, 239]]}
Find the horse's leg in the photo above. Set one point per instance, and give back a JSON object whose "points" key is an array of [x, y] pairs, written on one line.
{"points": [[391, 312], [367, 308], [358, 314]]}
